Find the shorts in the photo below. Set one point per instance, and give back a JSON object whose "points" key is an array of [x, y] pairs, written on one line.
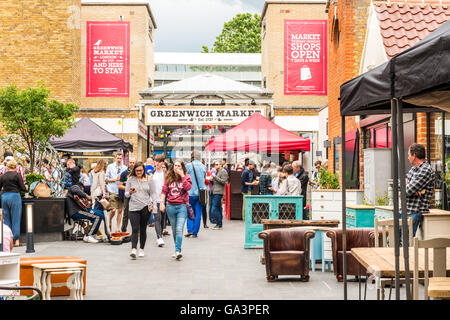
{"points": [[115, 202]]}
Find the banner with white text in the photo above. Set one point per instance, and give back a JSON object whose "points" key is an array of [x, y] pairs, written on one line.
{"points": [[305, 57], [108, 59]]}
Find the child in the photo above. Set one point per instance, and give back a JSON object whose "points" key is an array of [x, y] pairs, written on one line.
{"points": [[7, 236]]}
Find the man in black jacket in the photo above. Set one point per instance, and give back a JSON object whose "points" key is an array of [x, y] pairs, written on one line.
{"points": [[76, 212], [301, 175]]}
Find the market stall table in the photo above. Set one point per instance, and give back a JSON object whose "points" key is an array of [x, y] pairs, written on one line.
{"points": [[380, 262]]}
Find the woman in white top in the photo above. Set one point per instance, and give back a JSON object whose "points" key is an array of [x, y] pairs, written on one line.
{"points": [[291, 185], [140, 189], [98, 190], [160, 217]]}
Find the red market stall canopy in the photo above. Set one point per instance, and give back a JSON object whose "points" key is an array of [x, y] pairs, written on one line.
{"points": [[257, 133], [87, 136]]}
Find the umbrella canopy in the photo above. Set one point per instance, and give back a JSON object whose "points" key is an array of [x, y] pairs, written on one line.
{"points": [[87, 136], [257, 133], [419, 75]]}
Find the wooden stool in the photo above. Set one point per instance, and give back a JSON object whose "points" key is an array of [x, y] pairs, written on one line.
{"points": [[44, 271]]}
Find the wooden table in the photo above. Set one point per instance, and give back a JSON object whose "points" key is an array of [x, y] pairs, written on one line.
{"points": [[42, 277], [274, 224], [380, 262]]}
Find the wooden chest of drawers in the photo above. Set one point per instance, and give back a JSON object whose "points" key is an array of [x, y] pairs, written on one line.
{"points": [[327, 204]]}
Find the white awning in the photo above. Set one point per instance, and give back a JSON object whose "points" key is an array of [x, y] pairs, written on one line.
{"points": [[298, 123]]}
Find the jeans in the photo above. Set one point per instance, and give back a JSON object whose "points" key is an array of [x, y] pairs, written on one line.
{"points": [[12, 212], [97, 205], [417, 219], [217, 209], [177, 216], [211, 217], [193, 226], [94, 216], [138, 220], [126, 205], [160, 222]]}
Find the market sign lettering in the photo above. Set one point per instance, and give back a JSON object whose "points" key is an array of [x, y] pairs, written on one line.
{"points": [[204, 115]]}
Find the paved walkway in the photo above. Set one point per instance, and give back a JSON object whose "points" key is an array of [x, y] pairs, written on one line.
{"points": [[214, 266]]}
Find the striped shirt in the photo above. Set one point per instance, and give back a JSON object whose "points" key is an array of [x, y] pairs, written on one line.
{"points": [[419, 179]]}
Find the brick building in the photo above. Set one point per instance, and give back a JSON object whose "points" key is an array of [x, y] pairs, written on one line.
{"points": [[46, 40], [297, 113], [363, 34]]}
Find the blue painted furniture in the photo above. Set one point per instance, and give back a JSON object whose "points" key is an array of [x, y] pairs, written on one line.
{"points": [[360, 216], [321, 250], [260, 207]]}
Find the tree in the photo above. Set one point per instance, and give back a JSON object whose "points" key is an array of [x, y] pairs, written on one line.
{"points": [[30, 114], [241, 34]]}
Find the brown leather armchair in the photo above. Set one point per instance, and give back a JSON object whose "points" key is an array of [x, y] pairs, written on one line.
{"points": [[286, 252], [356, 238]]}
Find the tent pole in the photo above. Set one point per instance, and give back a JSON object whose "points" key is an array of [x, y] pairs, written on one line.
{"points": [[401, 148], [344, 220], [394, 171]]}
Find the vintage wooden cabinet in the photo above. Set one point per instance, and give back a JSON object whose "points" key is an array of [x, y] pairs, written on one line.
{"points": [[261, 207], [327, 204], [360, 216]]}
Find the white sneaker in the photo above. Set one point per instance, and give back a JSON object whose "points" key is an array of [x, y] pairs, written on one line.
{"points": [[160, 242], [141, 253], [174, 255], [133, 254], [178, 255], [90, 239]]}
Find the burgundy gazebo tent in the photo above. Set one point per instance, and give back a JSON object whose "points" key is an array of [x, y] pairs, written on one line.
{"points": [[257, 133]]}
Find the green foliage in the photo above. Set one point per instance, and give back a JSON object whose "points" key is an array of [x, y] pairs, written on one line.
{"points": [[328, 180], [382, 200], [33, 177], [242, 34], [32, 115], [447, 172]]}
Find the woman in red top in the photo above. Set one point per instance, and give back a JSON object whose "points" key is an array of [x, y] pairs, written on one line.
{"points": [[176, 189]]}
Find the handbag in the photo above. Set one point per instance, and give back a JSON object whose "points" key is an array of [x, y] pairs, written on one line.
{"points": [[40, 189], [201, 192], [190, 212]]}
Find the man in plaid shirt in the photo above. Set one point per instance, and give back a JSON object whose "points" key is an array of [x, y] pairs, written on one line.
{"points": [[419, 185]]}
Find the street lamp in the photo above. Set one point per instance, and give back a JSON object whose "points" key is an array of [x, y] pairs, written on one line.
{"points": [[30, 212]]}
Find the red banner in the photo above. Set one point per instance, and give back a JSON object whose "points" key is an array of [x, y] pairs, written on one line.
{"points": [[305, 57], [108, 59]]}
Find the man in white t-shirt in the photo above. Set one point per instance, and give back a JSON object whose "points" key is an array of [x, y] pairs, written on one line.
{"points": [[160, 217]]}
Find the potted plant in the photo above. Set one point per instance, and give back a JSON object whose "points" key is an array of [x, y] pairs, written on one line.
{"points": [[35, 118]]}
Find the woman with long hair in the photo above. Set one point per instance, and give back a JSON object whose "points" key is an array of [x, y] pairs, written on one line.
{"points": [[11, 183], [98, 189], [141, 190], [176, 189]]}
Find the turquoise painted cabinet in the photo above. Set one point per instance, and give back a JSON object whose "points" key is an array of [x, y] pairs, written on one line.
{"points": [[268, 207], [360, 216]]}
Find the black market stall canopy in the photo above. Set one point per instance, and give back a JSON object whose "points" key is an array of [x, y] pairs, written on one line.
{"points": [[87, 136], [420, 76], [415, 80]]}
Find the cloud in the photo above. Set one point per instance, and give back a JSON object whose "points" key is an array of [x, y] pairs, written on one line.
{"points": [[186, 25]]}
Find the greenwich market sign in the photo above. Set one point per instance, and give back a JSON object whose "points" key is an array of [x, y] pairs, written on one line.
{"points": [[199, 115]]}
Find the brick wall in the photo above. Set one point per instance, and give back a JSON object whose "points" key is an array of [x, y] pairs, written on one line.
{"points": [[40, 41], [344, 58], [272, 51]]}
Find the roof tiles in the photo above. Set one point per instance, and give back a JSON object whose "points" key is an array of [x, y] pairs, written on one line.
{"points": [[402, 25]]}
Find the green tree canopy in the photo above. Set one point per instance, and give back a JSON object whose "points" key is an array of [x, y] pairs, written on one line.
{"points": [[32, 115], [242, 34]]}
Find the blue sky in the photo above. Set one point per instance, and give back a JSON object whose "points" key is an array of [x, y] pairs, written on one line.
{"points": [[186, 25]]}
